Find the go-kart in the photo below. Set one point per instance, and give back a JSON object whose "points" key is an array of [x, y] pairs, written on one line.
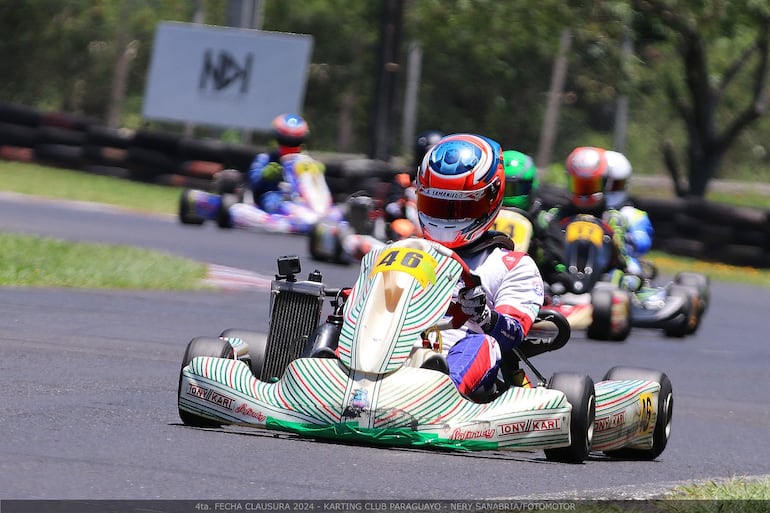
{"points": [[374, 371], [307, 199], [607, 303], [365, 227]]}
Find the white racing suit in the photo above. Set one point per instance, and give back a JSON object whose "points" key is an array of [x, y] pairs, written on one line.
{"points": [[514, 291]]}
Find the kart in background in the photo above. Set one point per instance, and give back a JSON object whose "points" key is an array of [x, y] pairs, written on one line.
{"points": [[307, 200], [374, 371], [607, 303], [365, 226]]}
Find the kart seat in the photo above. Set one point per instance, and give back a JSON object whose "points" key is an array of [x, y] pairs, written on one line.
{"points": [[436, 362]]}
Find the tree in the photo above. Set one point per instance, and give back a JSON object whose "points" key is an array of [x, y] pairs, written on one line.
{"points": [[720, 88]]}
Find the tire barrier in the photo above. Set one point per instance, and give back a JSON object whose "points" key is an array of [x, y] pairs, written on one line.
{"points": [[687, 227]]}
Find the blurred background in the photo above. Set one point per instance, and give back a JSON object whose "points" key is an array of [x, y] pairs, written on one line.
{"points": [[678, 86]]}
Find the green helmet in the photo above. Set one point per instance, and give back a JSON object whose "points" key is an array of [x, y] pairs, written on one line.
{"points": [[520, 179]]}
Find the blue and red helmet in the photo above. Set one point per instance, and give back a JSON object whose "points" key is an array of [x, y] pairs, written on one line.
{"points": [[460, 189], [290, 130]]}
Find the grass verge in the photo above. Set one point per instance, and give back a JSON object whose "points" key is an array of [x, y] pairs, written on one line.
{"points": [[29, 261]]}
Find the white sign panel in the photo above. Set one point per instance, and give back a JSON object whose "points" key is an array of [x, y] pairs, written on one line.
{"points": [[225, 76]]}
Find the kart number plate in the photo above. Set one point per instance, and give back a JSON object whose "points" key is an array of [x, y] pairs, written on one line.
{"points": [[417, 263], [583, 230]]}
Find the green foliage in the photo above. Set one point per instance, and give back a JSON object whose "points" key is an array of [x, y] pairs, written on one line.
{"points": [[486, 67]]}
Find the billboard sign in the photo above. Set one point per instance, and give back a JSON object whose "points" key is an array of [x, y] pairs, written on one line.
{"points": [[224, 76]]}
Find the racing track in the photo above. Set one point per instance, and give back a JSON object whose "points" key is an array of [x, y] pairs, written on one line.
{"points": [[89, 382]]}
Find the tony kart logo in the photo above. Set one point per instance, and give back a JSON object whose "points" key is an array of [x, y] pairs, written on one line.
{"points": [[211, 396]]}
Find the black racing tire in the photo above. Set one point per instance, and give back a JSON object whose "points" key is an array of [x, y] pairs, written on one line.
{"points": [[580, 393], [700, 282], [201, 346], [257, 343], [224, 220], [602, 304], [662, 430], [228, 181], [186, 215], [688, 320]]}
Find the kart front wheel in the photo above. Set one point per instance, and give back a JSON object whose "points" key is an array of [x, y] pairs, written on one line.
{"points": [[580, 393], [201, 346], [257, 343], [665, 412]]}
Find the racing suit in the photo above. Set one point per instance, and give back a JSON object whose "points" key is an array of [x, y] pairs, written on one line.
{"points": [[268, 188], [514, 293]]}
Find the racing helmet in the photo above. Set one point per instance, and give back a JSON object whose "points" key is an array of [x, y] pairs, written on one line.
{"points": [[460, 189], [290, 130], [586, 176], [425, 141], [520, 179], [618, 179]]}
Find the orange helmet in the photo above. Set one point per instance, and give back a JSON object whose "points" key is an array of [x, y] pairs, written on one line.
{"points": [[460, 185], [586, 176]]}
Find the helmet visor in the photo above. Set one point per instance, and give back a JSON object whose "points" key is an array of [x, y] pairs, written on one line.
{"points": [[585, 185], [617, 185], [455, 205], [517, 187]]}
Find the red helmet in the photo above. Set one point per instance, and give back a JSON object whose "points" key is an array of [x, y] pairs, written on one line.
{"points": [[586, 176], [290, 130], [460, 189]]}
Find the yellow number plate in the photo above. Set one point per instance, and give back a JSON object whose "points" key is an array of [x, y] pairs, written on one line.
{"points": [[417, 263], [583, 230]]}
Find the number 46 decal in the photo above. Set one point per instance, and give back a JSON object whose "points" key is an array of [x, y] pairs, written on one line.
{"points": [[417, 263]]}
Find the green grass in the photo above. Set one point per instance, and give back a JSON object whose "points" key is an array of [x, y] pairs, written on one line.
{"points": [[29, 261], [49, 182], [43, 262]]}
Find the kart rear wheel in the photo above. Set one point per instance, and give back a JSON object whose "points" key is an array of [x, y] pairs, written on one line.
{"points": [[688, 320], [607, 302], [662, 431], [257, 343], [201, 346], [699, 282], [186, 213], [224, 220], [580, 393]]}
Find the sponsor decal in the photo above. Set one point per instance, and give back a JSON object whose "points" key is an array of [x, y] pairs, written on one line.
{"points": [[609, 422], [467, 434], [210, 395], [245, 409], [530, 425]]}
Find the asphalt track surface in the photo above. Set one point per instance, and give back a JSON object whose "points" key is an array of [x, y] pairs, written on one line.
{"points": [[89, 377]]}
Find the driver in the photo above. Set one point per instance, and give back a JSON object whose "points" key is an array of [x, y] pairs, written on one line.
{"points": [[266, 172], [460, 186], [587, 173]]}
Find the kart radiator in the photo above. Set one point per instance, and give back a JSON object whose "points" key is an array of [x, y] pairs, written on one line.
{"points": [[295, 312]]}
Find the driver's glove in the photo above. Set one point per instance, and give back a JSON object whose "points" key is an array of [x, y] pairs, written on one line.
{"points": [[272, 172], [473, 302]]}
